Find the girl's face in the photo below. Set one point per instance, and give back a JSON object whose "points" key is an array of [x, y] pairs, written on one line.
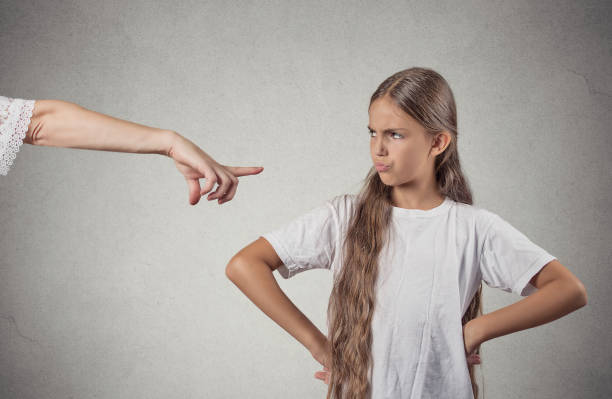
{"points": [[402, 151]]}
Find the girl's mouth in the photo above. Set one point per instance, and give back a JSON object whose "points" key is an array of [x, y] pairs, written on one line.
{"points": [[381, 167]]}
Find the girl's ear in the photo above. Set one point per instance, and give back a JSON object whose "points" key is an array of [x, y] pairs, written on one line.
{"points": [[440, 142]]}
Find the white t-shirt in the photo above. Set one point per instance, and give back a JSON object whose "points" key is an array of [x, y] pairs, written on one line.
{"points": [[428, 274], [15, 114]]}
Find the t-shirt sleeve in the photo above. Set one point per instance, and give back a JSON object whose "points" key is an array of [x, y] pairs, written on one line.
{"points": [[309, 241], [508, 259], [15, 114]]}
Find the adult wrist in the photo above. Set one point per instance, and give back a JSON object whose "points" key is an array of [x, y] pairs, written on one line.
{"points": [[169, 139]]}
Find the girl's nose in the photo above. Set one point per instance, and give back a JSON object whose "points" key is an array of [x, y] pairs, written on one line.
{"points": [[379, 146]]}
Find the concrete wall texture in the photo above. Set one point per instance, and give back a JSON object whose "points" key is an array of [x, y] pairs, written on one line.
{"points": [[113, 286]]}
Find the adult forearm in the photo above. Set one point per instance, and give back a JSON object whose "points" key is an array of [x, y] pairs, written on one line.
{"points": [[549, 303], [256, 281], [64, 124]]}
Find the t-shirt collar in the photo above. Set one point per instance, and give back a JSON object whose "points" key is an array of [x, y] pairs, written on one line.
{"points": [[405, 212]]}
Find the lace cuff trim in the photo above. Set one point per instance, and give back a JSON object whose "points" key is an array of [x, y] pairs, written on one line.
{"points": [[15, 115]]}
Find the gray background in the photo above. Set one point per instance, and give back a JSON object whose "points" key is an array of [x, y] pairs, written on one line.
{"points": [[112, 286]]}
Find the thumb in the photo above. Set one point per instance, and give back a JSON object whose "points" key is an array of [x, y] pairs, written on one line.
{"points": [[194, 190], [244, 170]]}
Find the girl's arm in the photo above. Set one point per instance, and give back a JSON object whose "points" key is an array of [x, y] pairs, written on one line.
{"points": [[559, 293], [251, 270], [64, 124]]}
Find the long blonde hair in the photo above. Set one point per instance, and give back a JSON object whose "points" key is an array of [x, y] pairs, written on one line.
{"points": [[426, 96]]}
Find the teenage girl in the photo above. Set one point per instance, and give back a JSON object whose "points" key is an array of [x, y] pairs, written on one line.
{"points": [[408, 255]]}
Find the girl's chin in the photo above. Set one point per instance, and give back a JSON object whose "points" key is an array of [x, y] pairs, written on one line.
{"points": [[386, 179], [392, 181]]}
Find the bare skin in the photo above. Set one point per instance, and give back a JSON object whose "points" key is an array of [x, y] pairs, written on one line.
{"points": [[407, 154], [251, 270], [63, 124]]}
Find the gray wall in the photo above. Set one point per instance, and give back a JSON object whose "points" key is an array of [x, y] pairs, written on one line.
{"points": [[112, 286]]}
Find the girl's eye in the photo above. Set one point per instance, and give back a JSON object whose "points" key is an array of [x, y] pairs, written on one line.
{"points": [[395, 135]]}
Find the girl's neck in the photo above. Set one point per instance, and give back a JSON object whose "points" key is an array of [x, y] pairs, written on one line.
{"points": [[411, 197]]}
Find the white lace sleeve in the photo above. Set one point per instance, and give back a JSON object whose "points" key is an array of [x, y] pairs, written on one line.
{"points": [[15, 115]]}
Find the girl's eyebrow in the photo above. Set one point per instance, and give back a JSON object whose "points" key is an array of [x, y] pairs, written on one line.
{"points": [[387, 130]]}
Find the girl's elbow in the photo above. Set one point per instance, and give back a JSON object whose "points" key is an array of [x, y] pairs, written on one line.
{"points": [[582, 294], [238, 267], [232, 270], [576, 292]]}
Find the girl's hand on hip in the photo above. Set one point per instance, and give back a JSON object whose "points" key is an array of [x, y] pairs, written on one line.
{"points": [[322, 354], [323, 375], [194, 164]]}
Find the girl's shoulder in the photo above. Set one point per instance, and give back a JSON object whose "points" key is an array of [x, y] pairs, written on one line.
{"points": [[478, 217], [343, 205], [343, 200]]}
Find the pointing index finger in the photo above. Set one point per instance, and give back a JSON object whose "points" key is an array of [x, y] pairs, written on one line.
{"points": [[244, 170]]}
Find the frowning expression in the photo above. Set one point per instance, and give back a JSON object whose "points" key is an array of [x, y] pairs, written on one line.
{"points": [[399, 145]]}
